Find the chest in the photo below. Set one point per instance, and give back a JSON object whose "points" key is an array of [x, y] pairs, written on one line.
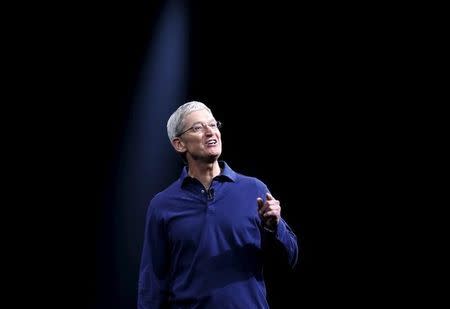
{"points": [[225, 221]]}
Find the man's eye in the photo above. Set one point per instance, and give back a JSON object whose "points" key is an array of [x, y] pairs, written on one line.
{"points": [[213, 125], [196, 128]]}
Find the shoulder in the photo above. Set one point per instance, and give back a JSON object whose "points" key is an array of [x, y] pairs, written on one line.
{"points": [[251, 181], [158, 203]]}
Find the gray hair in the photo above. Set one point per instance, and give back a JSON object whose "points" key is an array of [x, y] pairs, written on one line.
{"points": [[175, 124]]}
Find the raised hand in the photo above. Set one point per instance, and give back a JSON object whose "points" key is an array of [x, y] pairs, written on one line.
{"points": [[269, 211]]}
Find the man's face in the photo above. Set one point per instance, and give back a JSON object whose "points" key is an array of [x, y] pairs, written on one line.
{"points": [[201, 138]]}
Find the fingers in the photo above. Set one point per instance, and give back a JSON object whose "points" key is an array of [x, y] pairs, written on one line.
{"points": [[260, 203], [270, 210], [262, 206], [270, 204], [272, 213]]}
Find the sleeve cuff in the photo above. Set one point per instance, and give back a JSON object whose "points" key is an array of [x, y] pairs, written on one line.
{"points": [[278, 230]]}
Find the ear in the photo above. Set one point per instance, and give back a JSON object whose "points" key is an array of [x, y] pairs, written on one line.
{"points": [[178, 144]]}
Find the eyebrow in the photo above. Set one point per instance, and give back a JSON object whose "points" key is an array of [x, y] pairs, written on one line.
{"points": [[201, 122]]}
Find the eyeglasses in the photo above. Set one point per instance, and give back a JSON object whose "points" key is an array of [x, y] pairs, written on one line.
{"points": [[199, 126]]}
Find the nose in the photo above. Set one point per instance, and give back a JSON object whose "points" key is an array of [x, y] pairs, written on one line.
{"points": [[207, 129]]}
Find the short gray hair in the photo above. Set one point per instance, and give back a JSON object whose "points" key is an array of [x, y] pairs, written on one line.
{"points": [[175, 124]]}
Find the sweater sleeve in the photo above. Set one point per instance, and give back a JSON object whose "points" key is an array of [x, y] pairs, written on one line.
{"points": [[283, 234], [153, 272], [288, 240]]}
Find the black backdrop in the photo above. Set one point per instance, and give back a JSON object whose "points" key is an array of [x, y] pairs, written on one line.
{"points": [[298, 90]]}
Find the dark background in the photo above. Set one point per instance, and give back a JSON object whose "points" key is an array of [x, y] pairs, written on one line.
{"points": [[300, 90]]}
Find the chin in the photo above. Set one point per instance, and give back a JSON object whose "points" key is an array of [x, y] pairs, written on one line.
{"points": [[211, 158]]}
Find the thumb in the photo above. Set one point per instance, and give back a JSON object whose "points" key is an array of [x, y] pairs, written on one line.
{"points": [[260, 202], [269, 196]]}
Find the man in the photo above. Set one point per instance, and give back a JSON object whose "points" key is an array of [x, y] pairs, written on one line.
{"points": [[206, 233]]}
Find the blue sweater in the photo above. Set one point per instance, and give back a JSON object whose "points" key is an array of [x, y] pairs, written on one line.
{"points": [[203, 248]]}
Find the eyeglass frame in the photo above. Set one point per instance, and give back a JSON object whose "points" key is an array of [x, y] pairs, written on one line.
{"points": [[218, 125]]}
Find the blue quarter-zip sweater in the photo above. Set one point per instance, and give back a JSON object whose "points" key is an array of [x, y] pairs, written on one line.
{"points": [[203, 248]]}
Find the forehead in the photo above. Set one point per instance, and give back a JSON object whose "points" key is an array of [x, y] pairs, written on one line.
{"points": [[198, 116]]}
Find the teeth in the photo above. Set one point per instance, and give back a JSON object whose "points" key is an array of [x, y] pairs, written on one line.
{"points": [[212, 142]]}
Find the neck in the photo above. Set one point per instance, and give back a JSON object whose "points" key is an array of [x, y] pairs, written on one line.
{"points": [[204, 172]]}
